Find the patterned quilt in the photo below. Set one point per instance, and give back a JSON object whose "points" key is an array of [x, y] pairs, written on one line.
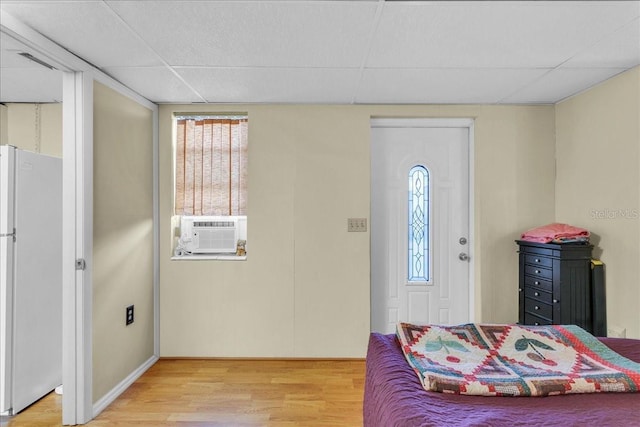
{"points": [[514, 360]]}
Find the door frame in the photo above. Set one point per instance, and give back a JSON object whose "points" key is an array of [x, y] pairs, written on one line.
{"points": [[77, 208], [77, 200], [441, 122]]}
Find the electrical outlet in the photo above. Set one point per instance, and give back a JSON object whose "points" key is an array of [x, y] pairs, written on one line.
{"points": [[129, 315], [617, 332], [356, 224]]}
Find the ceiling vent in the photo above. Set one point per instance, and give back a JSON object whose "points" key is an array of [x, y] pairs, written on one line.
{"points": [[36, 60]]}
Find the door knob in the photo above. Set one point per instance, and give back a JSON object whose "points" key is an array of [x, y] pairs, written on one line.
{"points": [[463, 256]]}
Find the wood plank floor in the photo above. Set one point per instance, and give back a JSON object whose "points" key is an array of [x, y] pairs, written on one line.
{"points": [[195, 392]]}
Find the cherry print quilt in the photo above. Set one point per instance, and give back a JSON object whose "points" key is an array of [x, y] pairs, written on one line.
{"points": [[514, 360]]}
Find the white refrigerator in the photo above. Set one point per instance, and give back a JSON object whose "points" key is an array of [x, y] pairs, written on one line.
{"points": [[30, 277]]}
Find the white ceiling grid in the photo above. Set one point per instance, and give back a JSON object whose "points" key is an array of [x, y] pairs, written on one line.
{"points": [[340, 51]]}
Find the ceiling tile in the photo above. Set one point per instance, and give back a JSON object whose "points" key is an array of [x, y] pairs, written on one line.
{"points": [[23, 80], [91, 30], [157, 84], [272, 85], [9, 49], [446, 86], [620, 49], [17, 85], [561, 83], [313, 51], [492, 34], [254, 33]]}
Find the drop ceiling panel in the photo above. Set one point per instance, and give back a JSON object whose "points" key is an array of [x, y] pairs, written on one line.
{"points": [[9, 54], [272, 85], [156, 83], [620, 49], [492, 34], [254, 33], [560, 84], [91, 30], [23, 80], [314, 51], [17, 85], [446, 86]]}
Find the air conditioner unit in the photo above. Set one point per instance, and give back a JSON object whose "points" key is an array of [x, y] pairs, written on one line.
{"points": [[209, 234]]}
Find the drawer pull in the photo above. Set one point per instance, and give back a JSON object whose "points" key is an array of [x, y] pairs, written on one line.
{"points": [[537, 259], [537, 324], [519, 289], [555, 301], [536, 308], [536, 283], [537, 294], [537, 271]]}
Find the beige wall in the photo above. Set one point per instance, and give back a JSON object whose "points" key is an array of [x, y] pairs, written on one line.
{"points": [[4, 124], [598, 185], [122, 239], [33, 127], [304, 289]]}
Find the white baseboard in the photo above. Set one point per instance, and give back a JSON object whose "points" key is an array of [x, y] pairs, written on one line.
{"points": [[113, 394]]}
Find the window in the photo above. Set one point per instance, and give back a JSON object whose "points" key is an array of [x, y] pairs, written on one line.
{"points": [[211, 186], [419, 225], [211, 165]]}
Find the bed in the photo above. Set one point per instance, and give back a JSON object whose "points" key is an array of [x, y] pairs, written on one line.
{"points": [[394, 396]]}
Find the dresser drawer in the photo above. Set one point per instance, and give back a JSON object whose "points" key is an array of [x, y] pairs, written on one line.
{"points": [[533, 259], [536, 271], [545, 285], [538, 308], [539, 295], [537, 249], [530, 319]]}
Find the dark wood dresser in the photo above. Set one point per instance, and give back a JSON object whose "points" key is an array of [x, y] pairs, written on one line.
{"points": [[555, 284]]}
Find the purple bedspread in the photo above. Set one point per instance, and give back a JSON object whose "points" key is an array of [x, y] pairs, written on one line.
{"points": [[394, 397]]}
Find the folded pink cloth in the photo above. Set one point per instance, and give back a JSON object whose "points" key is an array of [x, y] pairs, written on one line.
{"points": [[556, 232]]}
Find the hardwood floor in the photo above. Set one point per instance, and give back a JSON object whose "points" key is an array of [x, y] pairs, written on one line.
{"points": [[45, 412], [198, 392]]}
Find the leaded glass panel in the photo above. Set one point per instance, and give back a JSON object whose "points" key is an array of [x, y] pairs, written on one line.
{"points": [[418, 251]]}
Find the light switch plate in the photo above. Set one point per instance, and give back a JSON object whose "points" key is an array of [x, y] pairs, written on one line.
{"points": [[356, 224]]}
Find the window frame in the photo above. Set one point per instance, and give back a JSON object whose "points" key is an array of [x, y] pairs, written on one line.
{"points": [[176, 217]]}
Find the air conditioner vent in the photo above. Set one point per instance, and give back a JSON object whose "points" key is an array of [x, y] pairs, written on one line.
{"points": [[216, 224]]}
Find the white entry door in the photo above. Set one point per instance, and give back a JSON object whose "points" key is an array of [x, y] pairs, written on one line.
{"points": [[420, 248]]}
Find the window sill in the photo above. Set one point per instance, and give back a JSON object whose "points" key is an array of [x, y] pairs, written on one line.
{"points": [[209, 257]]}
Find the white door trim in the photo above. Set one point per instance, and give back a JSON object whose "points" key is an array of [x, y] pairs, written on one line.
{"points": [[78, 77], [421, 123], [77, 208], [76, 286], [437, 122]]}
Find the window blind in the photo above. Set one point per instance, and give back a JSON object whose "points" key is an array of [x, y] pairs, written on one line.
{"points": [[211, 166]]}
